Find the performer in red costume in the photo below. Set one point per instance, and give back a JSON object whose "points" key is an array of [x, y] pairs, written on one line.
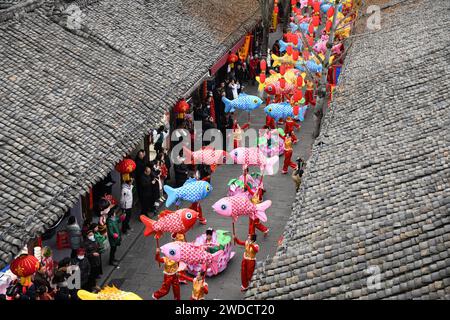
{"points": [[288, 155], [170, 278], [249, 260], [289, 128], [199, 286], [270, 123]]}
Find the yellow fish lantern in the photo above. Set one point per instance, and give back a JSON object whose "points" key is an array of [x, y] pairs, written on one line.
{"points": [[108, 293], [286, 59]]}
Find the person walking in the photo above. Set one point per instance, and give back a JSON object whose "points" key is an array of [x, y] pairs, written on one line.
{"points": [[170, 277], [249, 259], [147, 202], [126, 203], [139, 172], [159, 138], [288, 154], [114, 237], [75, 235]]}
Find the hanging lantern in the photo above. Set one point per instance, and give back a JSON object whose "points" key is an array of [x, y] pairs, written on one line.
{"points": [[330, 12], [289, 50], [125, 167], [315, 20], [263, 65], [181, 108], [298, 95], [299, 81], [24, 267], [232, 59], [328, 25], [262, 77], [295, 55], [316, 7], [282, 83]]}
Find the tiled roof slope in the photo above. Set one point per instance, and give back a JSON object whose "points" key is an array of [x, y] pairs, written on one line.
{"points": [[375, 200], [73, 103]]}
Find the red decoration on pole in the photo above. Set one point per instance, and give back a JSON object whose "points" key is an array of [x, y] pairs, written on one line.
{"points": [[295, 40], [262, 77], [295, 55], [293, 2], [330, 12], [328, 25], [316, 7], [306, 55], [282, 70], [298, 95], [282, 83], [263, 65], [300, 82], [276, 10], [311, 28], [315, 20], [289, 50]]}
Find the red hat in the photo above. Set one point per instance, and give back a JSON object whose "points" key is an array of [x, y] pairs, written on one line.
{"points": [[81, 251]]}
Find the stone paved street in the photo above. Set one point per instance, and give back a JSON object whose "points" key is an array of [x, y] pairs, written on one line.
{"points": [[140, 273]]}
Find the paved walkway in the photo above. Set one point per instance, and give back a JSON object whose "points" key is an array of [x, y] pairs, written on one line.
{"points": [[138, 272]]}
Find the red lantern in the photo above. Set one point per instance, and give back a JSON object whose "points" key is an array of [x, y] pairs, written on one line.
{"points": [[330, 12], [276, 10], [181, 108], [24, 267], [328, 25], [310, 41], [316, 7], [263, 65], [282, 83], [315, 21], [282, 70], [289, 50], [293, 2], [232, 58], [125, 167], [295, 55], [298, 95], [262, 77], [306, 55], [295, 40], [299, 82], [311, 28], [310, 3]]}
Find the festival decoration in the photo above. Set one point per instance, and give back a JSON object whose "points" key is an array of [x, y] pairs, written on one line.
{"points": [[223, 241], [179, 221], [192, 190], [237, 206], [206, 155], [108, 293], [181, 108], [286, 59], [190, 254], [232, 59], [244, 102], [254, 157], [125, 167], [24, 267], [283, 110]]}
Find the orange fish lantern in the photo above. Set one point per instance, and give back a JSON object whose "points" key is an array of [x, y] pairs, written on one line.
{"points": [[125, 167], [232, 59], [181, 108], [24, 267]]}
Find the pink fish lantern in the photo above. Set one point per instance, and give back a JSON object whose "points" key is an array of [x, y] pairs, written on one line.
{"points": [[254, 157], [237, 206]]}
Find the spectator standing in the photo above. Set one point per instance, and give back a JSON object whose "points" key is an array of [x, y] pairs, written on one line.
{"points": [[114, 237], [84, 267], [75, 235], [126, 203], [94, 258], [147, 202], [139, 172], [234, 86]]}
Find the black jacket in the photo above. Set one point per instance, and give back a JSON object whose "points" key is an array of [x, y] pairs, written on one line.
{"points": [[85, 269], [91, 248]]}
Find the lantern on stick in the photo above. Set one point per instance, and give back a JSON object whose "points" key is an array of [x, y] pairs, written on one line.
{"points": [[275, 17], [24, 267], [299, 81], [295, 55], [232, 59], [311, 28], [262, 77], [328, 25], [125, 167], [263, 65], [289, 50], [315, 20], [282, 69], [330, 12], [316, 7], [282, 83]]}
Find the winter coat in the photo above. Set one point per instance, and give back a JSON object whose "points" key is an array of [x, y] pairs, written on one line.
{"points": [[85, 270], [126, 198], [113, 227], [91, 248], [75, 235]]}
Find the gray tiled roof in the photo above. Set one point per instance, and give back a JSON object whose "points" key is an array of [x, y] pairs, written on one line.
{"points": [[75, 102], [376, 193]]}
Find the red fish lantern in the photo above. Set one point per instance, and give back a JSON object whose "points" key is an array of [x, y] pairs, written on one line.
{"points": [[263, 65], [181, 108], [125, 167], [24, 267]]}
